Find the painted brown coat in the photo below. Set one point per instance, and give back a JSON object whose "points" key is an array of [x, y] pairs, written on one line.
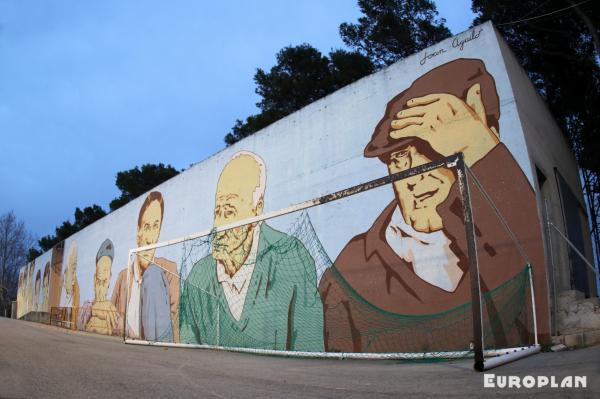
{"points": [[377, 287]]}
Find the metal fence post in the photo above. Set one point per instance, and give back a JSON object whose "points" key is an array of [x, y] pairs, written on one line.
{"points": [[463, 184]]}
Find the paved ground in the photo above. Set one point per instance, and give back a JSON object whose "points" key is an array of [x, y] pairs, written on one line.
{"points": [[38, 361]]}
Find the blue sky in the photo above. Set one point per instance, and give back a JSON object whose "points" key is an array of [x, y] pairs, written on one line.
{"points": [[91, 88]]}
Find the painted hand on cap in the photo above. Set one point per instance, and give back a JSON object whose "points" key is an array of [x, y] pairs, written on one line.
{"points": [[448, 124]]}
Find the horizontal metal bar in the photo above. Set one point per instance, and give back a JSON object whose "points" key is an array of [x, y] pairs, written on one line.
{"points": [[509, 356], [332, 355], [448, 162]]}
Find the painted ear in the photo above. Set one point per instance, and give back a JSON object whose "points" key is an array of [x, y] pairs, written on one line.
{"points": [[475, 102]]}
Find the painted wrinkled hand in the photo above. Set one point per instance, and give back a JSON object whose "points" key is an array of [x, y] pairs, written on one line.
{"points": [[108, 314], [448, 124]]}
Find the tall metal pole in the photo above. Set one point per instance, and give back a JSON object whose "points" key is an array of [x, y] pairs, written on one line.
{"points": [[553, 269], [463, 184], [535, 329]]}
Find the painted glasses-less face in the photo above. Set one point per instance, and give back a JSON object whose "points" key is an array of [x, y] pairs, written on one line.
{"points": [[419, 195], [236, 199], [102, 277], [148, 232]]}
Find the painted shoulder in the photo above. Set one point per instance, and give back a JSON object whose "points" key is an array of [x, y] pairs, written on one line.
{"points": [[122, 276], [203, 270], [166, 264]]}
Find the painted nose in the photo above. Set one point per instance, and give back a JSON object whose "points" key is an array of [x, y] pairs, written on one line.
{"points": [[416, 179]]}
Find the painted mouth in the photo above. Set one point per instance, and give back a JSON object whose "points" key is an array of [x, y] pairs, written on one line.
{"points": [[426, 195]]}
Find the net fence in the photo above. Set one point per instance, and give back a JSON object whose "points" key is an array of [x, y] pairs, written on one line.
{"points": [[272, 302], [505, 321], [270, 285]]}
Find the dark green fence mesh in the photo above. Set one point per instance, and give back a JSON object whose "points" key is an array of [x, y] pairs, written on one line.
{"points": [[282, 309]]}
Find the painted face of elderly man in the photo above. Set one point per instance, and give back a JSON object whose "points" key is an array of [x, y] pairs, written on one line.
{"points": [[104, 315], [428, 127], [239, 196], [412, 260], [265, 278]]}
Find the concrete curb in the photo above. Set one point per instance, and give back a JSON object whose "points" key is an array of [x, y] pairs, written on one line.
{"points": [[68, 331], [578, 340]]}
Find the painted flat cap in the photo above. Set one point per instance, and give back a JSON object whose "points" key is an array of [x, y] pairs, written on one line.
{"points": [[106, 249], [454, 77]]}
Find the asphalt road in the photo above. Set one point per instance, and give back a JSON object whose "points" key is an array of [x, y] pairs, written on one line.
{"points": [[38, 361]]}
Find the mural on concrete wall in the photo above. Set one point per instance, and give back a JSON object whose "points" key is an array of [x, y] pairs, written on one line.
{"points": [[153, 283], [56, 282], [412, 260], [23, 304], [100, 315], [45, 288], [21, 289], [388, 272], [71, 285], [26, 291], [35, 290], [258, 287], [36, 294], [30, 288]]}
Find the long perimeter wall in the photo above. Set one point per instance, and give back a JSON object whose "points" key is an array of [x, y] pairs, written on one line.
{"points": [[382, 271]]}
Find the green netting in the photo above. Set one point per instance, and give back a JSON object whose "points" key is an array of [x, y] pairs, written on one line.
{"points": [[282, 309], [373, 329]]}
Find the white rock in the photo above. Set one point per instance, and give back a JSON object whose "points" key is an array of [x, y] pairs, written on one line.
{"points": [[576, 314], [558, 348], [590, 321]]}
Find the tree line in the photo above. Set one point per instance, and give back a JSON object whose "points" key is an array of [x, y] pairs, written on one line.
{"points": [[132, 183], [556, 42], [18, 246]]}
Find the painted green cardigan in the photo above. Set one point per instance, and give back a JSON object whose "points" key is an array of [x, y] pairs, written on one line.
{"points": [[282, 309]]}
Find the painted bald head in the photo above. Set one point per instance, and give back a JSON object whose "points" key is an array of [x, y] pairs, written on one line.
{"points": [[241, 189], [240, 194]]}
